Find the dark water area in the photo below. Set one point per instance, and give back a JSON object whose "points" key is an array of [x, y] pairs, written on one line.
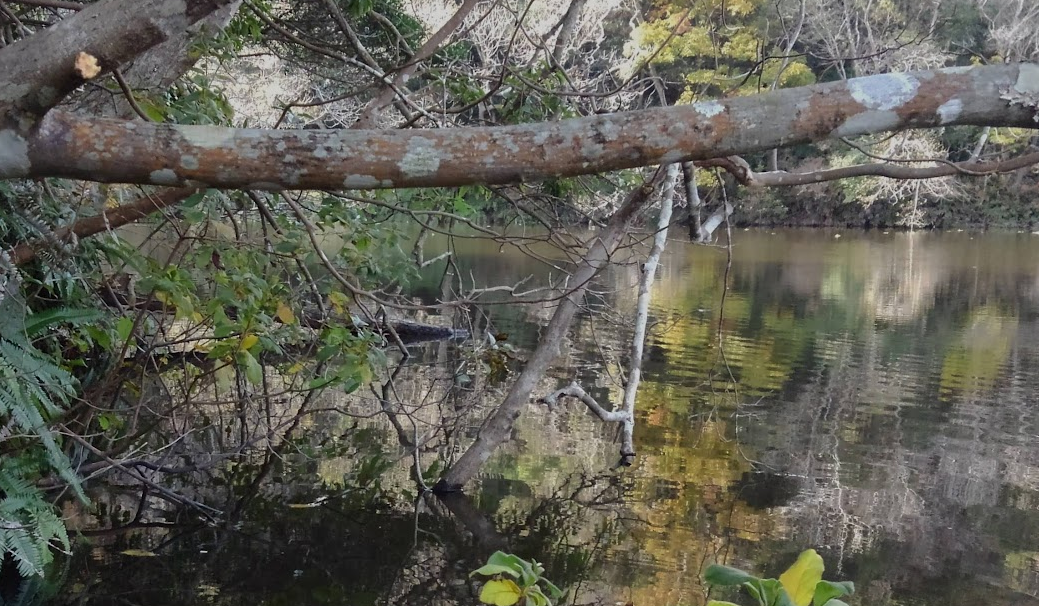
{"points": [[869, 395]]}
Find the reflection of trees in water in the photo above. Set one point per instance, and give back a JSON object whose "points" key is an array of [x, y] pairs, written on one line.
{"points": [[878, 463], [352, 549], [869, 448], [896, 396]]}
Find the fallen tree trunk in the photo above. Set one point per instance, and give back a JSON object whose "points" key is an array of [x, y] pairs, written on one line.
{"points": [[499, 425], [98, 149]]}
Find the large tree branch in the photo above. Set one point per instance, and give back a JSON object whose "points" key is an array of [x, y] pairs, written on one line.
{"points": [[64, 145], [38, 72]]}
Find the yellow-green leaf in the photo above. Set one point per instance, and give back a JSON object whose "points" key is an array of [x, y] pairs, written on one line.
{"points": [[139, 553], [248, 341], [339, 301], [800, 579], [503, 592], [285, 314]]}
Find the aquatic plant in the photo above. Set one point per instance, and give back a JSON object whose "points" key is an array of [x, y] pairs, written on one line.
{"points": [[525, 582], [801, 585]]}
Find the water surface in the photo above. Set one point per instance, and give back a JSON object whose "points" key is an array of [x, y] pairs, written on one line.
{"points": [[869, 395]]}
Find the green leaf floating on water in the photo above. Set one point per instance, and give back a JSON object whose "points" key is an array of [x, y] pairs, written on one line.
{"points": [[800, 580]]}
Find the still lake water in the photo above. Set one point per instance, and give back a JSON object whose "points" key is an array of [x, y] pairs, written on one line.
{"points": [[872, 396]]}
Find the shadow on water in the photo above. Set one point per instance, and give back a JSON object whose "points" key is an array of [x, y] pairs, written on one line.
{"points": [[340, 552]]}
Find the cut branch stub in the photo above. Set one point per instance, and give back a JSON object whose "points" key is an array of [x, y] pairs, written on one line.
{"points": [[38, 72]]}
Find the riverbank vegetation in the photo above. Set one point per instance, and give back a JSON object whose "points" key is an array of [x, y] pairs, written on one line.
{"points": [[215, 213]]}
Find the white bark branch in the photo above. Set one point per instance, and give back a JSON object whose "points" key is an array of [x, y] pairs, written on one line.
{"points": [[638, 339], [497, 428], [574, 390]]}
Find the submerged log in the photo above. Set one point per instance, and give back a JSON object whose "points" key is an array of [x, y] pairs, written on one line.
{"points": [[416, 332], [408, 331]]}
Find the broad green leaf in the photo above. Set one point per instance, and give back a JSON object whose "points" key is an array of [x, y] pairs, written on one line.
{"points": [[769, 592], [720, 603], [248, 341], [502, 592], [800, 580], [536, 598], [716, 574], [754, 591], [553, 591], [39, 321], [193, 199], [501, 563], [827, 590], [252, 368], [123, 327], [155, 112], [489, 570]]}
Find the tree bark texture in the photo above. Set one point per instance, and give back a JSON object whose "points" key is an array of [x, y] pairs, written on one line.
{"points": [[38, 72], [107, 150]]}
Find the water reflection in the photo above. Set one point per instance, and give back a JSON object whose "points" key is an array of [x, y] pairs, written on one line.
{"points": [[871, 396]]}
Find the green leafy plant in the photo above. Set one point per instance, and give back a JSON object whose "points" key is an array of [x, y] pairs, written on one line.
{"points": [[30, 530], [34, 389], [801, 585], [515, 579]]}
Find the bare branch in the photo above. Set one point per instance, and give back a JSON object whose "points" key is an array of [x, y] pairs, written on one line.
{"points": [[370, 114], [893, 171], [108, 219], [574, 390]]}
